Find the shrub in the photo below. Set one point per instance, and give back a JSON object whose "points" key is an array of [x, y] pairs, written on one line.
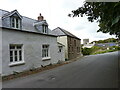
{"points": [[86, 51], [115, 48]]}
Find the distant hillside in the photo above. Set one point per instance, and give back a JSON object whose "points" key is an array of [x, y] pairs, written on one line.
{"points": [[106, 40]]}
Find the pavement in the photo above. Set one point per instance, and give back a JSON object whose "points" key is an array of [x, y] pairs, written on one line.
{"points": [[94, 71]]}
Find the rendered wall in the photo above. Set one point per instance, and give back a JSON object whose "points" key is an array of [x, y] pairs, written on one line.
{"points": [[32, 45], [63, 40]]}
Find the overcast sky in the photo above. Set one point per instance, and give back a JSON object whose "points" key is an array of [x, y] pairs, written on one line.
{"points": [[56, 13]]}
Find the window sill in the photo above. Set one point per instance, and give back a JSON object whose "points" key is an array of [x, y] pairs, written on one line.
{"points": [[15, 28], [46, 58], [17, 63]]}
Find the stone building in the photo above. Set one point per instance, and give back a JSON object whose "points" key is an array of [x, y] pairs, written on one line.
{"points": [[71, 42]]}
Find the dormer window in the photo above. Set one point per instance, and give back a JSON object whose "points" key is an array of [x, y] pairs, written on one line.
{"points": [[15, 22], [45, 29]]}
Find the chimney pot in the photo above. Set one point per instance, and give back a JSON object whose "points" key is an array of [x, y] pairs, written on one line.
{"points": [[40, 18]]}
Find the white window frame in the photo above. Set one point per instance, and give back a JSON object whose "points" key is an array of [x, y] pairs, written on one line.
{"points": [[13, 55], [45, 52], [45, 29], [14, 22]]}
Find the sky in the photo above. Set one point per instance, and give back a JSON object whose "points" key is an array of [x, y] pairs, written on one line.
{"points": [[56, 12]]}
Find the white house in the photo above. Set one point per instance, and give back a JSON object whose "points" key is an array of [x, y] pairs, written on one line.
{"points": [[88, 45], [26, 43]]}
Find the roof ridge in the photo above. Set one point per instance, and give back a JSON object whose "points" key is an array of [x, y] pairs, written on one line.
{"points": [[55, 28], [4, 10], [62, 30], [9, 13], [21, 15], [67, 32]]}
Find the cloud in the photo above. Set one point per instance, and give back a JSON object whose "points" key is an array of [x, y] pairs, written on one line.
{"points": [[56, 13]]}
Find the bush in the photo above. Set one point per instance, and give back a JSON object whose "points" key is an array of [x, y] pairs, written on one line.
{"points": [[98, 50], [115, 48], [86, 51]]}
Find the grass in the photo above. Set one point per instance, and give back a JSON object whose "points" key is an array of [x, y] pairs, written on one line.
{"points": [[101, 52]]}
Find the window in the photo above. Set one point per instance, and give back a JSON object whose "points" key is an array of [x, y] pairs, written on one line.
{"points": [[45, 51], [75, 42], [72, 49], [16, 53], [15, 22], [69, 50], [70, 40], [60, 48], [78, 49], [45, 28]]}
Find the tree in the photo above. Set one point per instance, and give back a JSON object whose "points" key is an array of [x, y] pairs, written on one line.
{"points": [[86, 51], [106, 13]]}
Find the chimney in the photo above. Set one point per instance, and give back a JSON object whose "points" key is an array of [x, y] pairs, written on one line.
{"points": [[40, 18]]}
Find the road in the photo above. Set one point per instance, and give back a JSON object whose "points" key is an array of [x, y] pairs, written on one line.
{"points": [[94, 71]]}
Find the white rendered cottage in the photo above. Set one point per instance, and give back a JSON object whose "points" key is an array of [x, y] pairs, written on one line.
{"points": [[26, 43]]}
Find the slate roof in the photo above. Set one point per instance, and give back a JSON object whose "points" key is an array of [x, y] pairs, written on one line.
{"points": [[62, 32], [3, 12], [10, 13], [27, 23]]}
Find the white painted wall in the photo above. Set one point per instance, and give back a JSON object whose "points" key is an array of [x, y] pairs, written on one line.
{"points": [[61, 55], [32, 50], [0, 18], [0, 50], [88, 45], [63, 40]]}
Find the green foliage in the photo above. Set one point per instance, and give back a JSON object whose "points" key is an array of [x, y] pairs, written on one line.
{"points": [[106, 13], [106, 40], [98, 50], [89, 51], [106, 51], [94, 48], [111, 49], [86, 51], [115, 48]]}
